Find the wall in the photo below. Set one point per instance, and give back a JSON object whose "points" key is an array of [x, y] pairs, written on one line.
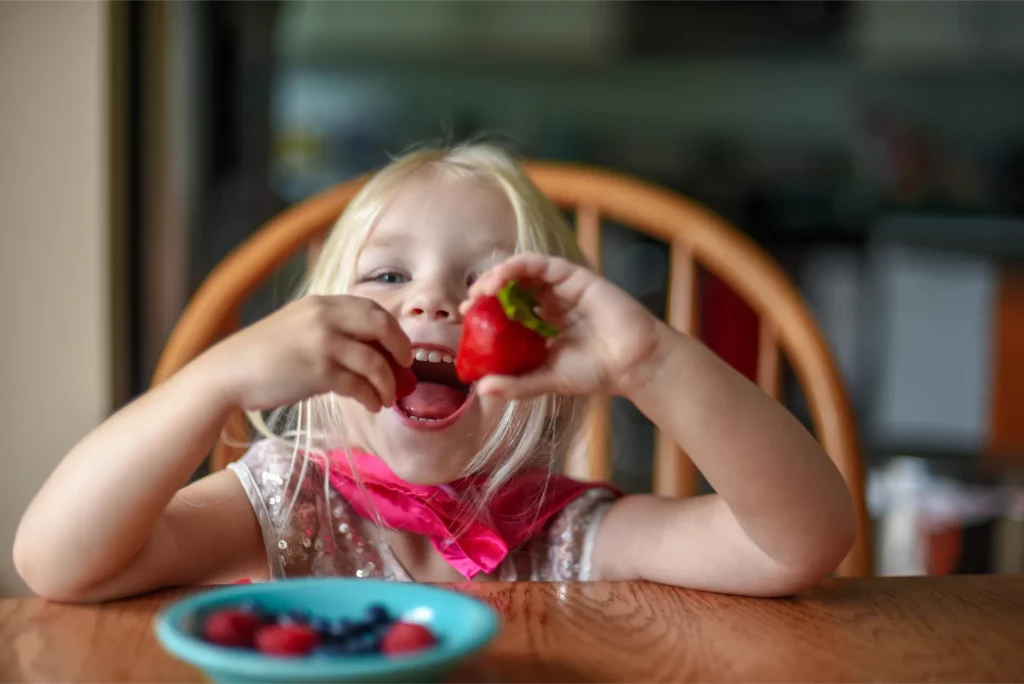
{"points": [[54, 318]]}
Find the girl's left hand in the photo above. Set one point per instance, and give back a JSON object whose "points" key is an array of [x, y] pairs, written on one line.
{"points": [[607, 341]]}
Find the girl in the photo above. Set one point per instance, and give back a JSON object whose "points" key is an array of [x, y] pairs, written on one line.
{"points": [[451, 481]]}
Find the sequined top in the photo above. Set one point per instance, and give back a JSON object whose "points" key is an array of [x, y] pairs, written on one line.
{"points": [[319, 534]]}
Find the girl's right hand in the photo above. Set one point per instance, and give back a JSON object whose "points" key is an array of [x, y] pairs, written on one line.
{"points": [[315, 345]]}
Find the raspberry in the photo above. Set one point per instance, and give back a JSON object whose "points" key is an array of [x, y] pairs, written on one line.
{"points": [[286, 640], [405, 379], [231, 627], [404, 637]]}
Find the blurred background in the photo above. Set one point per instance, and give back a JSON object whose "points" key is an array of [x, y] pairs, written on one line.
{"points": [[875, 149]]}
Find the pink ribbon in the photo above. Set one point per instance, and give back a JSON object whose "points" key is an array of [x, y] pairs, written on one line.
{"points": [[470, 541]]}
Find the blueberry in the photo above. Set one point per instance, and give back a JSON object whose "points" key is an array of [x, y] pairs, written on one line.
{"points": [[361, 627], [378, 615], [339, 630], [251, 606], [364, 644], [319, 625], [293, 617], [331, 650]]}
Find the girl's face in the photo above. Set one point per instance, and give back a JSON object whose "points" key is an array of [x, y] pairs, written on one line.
{"points": [[434, 237]]}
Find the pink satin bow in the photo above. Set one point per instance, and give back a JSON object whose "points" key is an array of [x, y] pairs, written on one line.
{"points": [[470, 542]]}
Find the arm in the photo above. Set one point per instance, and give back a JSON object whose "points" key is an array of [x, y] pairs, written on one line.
{"points": [[782, 517], [110, 520]]}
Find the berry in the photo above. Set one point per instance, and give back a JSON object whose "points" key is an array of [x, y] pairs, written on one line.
{"points": [[250, 606], [501, 335], [253, 608], [293, 617], [405, 637], [405, 379], [231, 627], [368, 643], [286, 640], [378, 615], [319, 625], [340, 630]]}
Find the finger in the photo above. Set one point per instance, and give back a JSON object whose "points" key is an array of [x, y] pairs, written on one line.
{"points": [[348, 384], [550, 308], [535, 384], [527, 266], [562, 278], [365, 361], [364, 319]]}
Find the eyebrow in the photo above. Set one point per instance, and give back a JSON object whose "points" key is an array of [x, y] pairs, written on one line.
{"points": [[388, 241], [374, 241]]}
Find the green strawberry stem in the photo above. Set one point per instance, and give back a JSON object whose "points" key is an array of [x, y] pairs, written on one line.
{"points": [[519, 304]]}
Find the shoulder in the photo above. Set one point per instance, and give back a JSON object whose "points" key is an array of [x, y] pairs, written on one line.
{"points": [[286, 496], [266, 471], [267, 460]]}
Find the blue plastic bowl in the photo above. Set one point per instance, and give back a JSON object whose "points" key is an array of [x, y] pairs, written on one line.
{"points": [[462, 624]]}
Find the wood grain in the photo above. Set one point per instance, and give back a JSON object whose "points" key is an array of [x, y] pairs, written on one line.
{"points": [[934, 629]]}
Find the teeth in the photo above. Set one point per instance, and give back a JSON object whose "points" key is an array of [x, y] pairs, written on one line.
{"points": [[433, 356], [424, 420]]}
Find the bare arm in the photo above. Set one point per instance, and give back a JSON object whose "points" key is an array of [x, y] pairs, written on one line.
{"points": [[110, 521], [782, 516]]}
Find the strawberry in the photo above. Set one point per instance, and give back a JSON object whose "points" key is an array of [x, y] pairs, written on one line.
{"points": [[404, 637], [405, 379], [501, 335], [286, 640], [231, 627]]}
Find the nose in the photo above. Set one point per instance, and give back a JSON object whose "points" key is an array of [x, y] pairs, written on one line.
{"points": [[433, 301]]}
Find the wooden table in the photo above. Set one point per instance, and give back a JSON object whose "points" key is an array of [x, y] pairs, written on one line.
{"points": [[955, 629]]}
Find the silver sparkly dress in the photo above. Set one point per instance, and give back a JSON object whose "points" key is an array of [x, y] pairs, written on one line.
{"points": [[318, 534]]}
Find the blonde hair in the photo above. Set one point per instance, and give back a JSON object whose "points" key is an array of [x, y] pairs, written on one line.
{"points": [[530, 432]]}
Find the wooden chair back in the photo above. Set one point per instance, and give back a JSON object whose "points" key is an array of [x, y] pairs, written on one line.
{"points": [[697, 238]]}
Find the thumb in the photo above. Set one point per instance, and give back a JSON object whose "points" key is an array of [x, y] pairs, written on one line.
{"points": [[535, 384]]}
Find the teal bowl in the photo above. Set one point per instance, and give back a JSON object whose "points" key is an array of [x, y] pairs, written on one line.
{"points": [[462, 624]]}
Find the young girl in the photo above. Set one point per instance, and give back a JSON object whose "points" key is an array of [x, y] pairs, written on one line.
{"points": [[452, 481]]}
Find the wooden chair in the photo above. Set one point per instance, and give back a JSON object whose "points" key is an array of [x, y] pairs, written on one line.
{"points": [[695, 235]]}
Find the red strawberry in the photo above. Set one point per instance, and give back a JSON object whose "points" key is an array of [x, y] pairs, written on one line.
{"points": [[231, 627], [405, 379], [501, 335], [286, 640], [404, 637]]}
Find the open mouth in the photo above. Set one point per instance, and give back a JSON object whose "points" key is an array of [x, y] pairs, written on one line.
{"points": [[439, 398]]}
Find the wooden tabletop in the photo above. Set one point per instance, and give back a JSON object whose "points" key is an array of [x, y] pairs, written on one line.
{"points": [[948, 629]]}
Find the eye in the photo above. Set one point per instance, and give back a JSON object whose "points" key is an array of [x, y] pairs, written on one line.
{"points": [[388, 278], [471, 278]]}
